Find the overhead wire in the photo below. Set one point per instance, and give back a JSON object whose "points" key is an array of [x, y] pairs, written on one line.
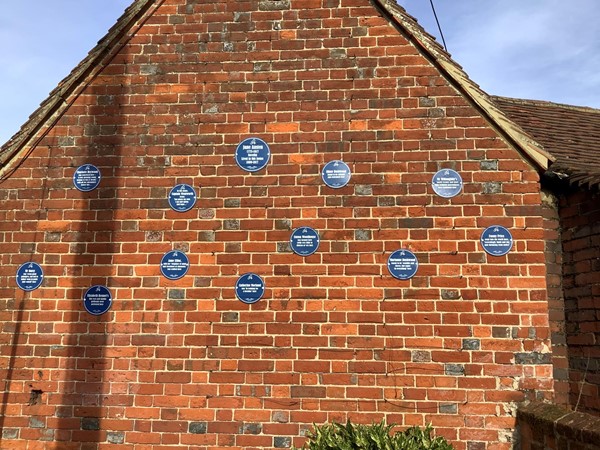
{"points": [[438, 24]]}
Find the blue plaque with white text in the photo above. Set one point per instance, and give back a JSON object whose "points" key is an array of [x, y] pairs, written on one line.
{"points": [[182, 198], [304, 241], [87, 178], [174, 265], [336, 174], [496, 240], [252, 154], [30, 276], [97, 300], [447, 183], [249, 288], [403, 264]]}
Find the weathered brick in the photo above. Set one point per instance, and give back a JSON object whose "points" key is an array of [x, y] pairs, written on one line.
{"points": [[184, 363]]}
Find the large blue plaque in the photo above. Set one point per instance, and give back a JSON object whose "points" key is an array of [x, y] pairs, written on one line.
{"points": [[403, 264], [249, 288], [97, 300], [30, 276], [87, 178], [336, 174], [174, 265], [182, 198], [304, 241], [447, 183], [496, 240], [252, 154]]}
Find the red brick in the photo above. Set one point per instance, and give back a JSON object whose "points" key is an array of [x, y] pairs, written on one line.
{"points": [[335, 336]]}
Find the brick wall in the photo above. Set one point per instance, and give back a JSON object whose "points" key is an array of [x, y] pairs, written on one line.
{"points": [[184, 364], [556, 300], [580, 219], [551, 427]]}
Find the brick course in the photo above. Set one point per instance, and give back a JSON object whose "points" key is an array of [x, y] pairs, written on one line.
{"points": [[580, 218], [184, 364]]}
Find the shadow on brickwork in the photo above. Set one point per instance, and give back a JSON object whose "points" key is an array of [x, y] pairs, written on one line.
{"points": [[57, 371], [580, 214]]}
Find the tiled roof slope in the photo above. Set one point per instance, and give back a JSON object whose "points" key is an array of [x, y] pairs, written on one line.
{"points": [[511, 131], [570, 133], [58, 101]]}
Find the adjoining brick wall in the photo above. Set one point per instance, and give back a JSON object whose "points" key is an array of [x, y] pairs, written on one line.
{"points": [[184, 364], [580, 220], [551, 427], [556, 301]]}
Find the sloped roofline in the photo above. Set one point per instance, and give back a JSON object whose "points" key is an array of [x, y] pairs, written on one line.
{"points": [[570, 133], [68, 89], [513, 133], [61, 97]]}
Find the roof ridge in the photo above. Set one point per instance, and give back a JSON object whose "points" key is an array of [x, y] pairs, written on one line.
{"points": [[524, 101]]}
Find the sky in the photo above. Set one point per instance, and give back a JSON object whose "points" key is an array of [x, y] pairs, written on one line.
{"points": [[535, 49]]}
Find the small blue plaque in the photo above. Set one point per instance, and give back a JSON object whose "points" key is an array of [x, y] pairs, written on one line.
{"points": [[403, 264], [304, 241], [87, 178], [182, 197], [447, 183], [336, 174], [496, 240], [252, 154], [97, 300], [174, 265], [249, 288], [30, 276]]}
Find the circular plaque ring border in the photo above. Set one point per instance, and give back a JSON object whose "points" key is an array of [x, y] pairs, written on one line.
{"points": [[41, 280], [334, 186], [318, 241], [186, 269], [264, 287], [416, 264], [267, 159], [192, 204], [92, 188], [109, 304]]}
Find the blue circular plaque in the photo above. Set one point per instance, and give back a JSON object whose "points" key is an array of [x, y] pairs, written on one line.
{"points": [[252, 154], [496, 240], [403, 264], [336, 174], [447, 183], [182, 197], [87, 178], [30, 276], [97, 300], [174, 265], [304, 241], [249, 288]]}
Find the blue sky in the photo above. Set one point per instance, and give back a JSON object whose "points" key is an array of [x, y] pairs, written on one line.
{"points": [[537, 49]]}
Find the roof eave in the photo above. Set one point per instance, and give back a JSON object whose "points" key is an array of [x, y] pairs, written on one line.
{"points": [[514, 134], [68, 89]]}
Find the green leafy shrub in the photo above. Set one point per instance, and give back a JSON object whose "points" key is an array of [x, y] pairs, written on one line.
{"points": [[377, 436]]}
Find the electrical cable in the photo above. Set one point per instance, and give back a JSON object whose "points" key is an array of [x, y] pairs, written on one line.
{"points": [[438, 25]]}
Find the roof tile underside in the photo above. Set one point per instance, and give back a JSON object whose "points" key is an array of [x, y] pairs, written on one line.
{"points": [[570, 133]]}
